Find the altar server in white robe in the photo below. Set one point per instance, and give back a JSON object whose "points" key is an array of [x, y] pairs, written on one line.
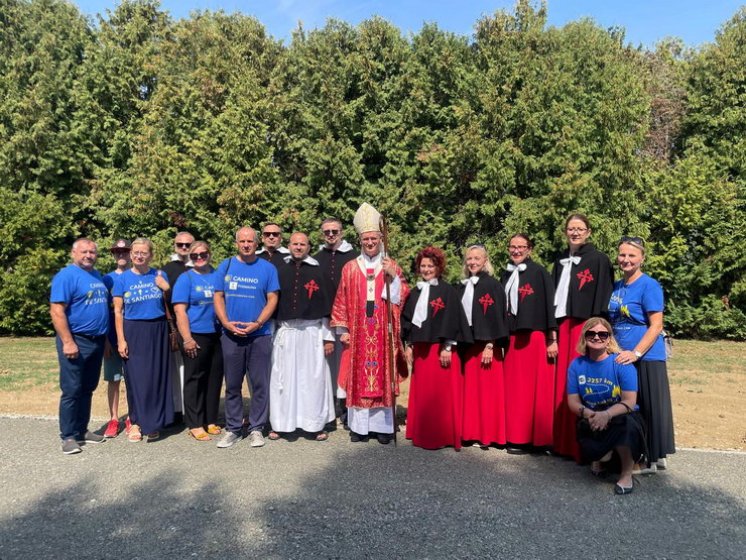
{"points": [[300, 386]]}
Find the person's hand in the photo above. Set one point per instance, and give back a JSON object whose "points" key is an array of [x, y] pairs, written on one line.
{"points": [[251, 327], [328, 348], [345, 339], [70, 350], [123, 349], [191, 348], [552, 350], [626, 357], [599, 420], [445, 358], [389, 267], [160, 281], [487, 355], [409, 355], [237, 328]]}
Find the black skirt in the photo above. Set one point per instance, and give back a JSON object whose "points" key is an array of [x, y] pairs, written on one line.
{"points": [[654, 400], [626, 430]]}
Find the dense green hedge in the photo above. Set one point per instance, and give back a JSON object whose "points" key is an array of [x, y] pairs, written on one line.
{"points": [[140, 125]]}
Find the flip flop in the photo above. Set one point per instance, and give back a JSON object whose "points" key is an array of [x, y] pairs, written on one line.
{"points": [[322, 436], [202, 436], [214, 430]]}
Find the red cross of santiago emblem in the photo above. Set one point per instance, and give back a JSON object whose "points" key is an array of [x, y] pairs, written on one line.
{"points": [[525, 290], [486, 300], [585, 277], [312, 287], [437, 305]]}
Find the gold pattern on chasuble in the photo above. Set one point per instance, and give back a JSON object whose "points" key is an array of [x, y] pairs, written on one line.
{"points": [[371, 355]]}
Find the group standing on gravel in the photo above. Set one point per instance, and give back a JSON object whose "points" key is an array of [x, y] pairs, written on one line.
{"points": [[571, 362]]}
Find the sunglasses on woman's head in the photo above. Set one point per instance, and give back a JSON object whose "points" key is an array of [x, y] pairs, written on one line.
{"points": [[601, 335], [636, 240]]}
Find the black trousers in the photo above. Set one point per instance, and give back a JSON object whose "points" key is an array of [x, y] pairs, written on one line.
{"points": [[203, 379]]}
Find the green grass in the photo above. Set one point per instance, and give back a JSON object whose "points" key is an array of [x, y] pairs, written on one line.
{"points": [[27, 362]]}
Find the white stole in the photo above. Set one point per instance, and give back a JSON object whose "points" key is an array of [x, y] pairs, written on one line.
{"points": [[467, 300], [420, 310], [511, 286], [560, 296]]}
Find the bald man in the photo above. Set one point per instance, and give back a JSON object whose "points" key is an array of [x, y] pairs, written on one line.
{"points": [[300, 385], [246, 293]]}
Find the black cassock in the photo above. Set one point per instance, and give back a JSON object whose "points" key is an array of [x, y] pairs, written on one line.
{"points": [[535, 299], [304, 291], [489, 319], [591, 282], [445, 317], [332, 262]]}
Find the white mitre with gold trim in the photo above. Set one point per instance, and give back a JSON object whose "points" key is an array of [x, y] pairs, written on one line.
{"points": [[367, 219]]}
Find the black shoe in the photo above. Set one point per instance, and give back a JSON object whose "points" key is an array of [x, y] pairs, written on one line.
{"points": [[355, 437], [384, 439], [516, 451], [70, 447], [621, 490]]}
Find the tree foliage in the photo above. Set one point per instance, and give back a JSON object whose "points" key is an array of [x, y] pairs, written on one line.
{"points": [[137, 124]]}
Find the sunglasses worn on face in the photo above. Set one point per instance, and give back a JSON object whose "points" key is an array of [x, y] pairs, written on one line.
{"points": [[183, 245], [602, 335], [330, 231], [198, 256], [271, 234]]}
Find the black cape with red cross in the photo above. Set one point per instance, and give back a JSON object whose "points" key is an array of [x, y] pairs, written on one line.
{"points": [[332, 262], [305, 291], [591, 282], [445, 317], [489, 319], [535, 299]]}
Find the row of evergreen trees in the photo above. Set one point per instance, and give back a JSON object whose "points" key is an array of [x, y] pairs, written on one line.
{"points": [[137, 124]]}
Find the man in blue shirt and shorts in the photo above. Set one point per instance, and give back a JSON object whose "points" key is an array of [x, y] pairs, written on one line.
{"points": [[79, 306], [246, 295]]}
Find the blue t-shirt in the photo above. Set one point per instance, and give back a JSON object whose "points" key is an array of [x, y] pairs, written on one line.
{"points": [[197, 290], [600, 384], [109, 281], [246, 287], [85, 297], [143, 299], [628, 310]]}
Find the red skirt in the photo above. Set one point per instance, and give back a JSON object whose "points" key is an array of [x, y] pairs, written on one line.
{"points": [[435, 411], [529, 390], [484, 397], [565, 440]]}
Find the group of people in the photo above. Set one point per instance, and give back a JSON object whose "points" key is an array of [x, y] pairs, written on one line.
{"points": [[570, 361]]}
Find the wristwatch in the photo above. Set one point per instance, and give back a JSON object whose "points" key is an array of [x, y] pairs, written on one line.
{"points": [[637, 354]]}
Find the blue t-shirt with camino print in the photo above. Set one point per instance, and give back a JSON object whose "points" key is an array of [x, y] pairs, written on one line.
{"points": [[143, 299], [196, 291]]}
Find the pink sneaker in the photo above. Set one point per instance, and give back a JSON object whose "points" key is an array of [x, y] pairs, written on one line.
{"points": [[112, 429], [127, 425]]}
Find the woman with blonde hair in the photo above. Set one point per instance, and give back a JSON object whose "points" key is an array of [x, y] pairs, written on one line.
{"points": [[142, 341], [483, 300], [602, 393]]}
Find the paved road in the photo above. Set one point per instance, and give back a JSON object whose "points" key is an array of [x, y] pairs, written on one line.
{"points": [[177, 498]]}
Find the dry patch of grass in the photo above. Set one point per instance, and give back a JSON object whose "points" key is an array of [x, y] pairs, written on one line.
{"points": [[708, 388]]}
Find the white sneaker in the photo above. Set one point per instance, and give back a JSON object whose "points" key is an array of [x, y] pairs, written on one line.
{"points": [[652, 469], [662, 464], [256, 439], [229, 440]]}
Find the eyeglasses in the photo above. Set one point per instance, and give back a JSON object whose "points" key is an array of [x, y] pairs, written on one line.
{"points": [[183, 245], [328, 232], [517, 247], [576, 230], [140, 253], [199, 256], [601, 335], [271, 234], [636, 240]]}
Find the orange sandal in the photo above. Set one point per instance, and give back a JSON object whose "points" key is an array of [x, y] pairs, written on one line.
{"points": [[201, 436], [214, 430]]}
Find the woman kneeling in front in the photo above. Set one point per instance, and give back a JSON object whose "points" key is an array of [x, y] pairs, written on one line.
{"points": [[603, 394]]}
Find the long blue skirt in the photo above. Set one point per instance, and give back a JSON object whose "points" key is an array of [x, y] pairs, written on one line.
{"points": [[146, 371]]}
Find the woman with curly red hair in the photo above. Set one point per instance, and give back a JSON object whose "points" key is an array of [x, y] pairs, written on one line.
{"points": [[433, 322]]}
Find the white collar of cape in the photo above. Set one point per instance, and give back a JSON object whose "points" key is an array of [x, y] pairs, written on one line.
{"points": [[282, 250], [188, 263], [344, 247], [308, 260]]}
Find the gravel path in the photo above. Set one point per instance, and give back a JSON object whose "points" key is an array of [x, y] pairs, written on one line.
{"points": [[177, 498]]}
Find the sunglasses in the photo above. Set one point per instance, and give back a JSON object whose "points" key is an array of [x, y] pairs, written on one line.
{"points": [[271, 234], [601, 335], [118, 252], [183, 245], [330, 231], [636, 240], [199, 256]]}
